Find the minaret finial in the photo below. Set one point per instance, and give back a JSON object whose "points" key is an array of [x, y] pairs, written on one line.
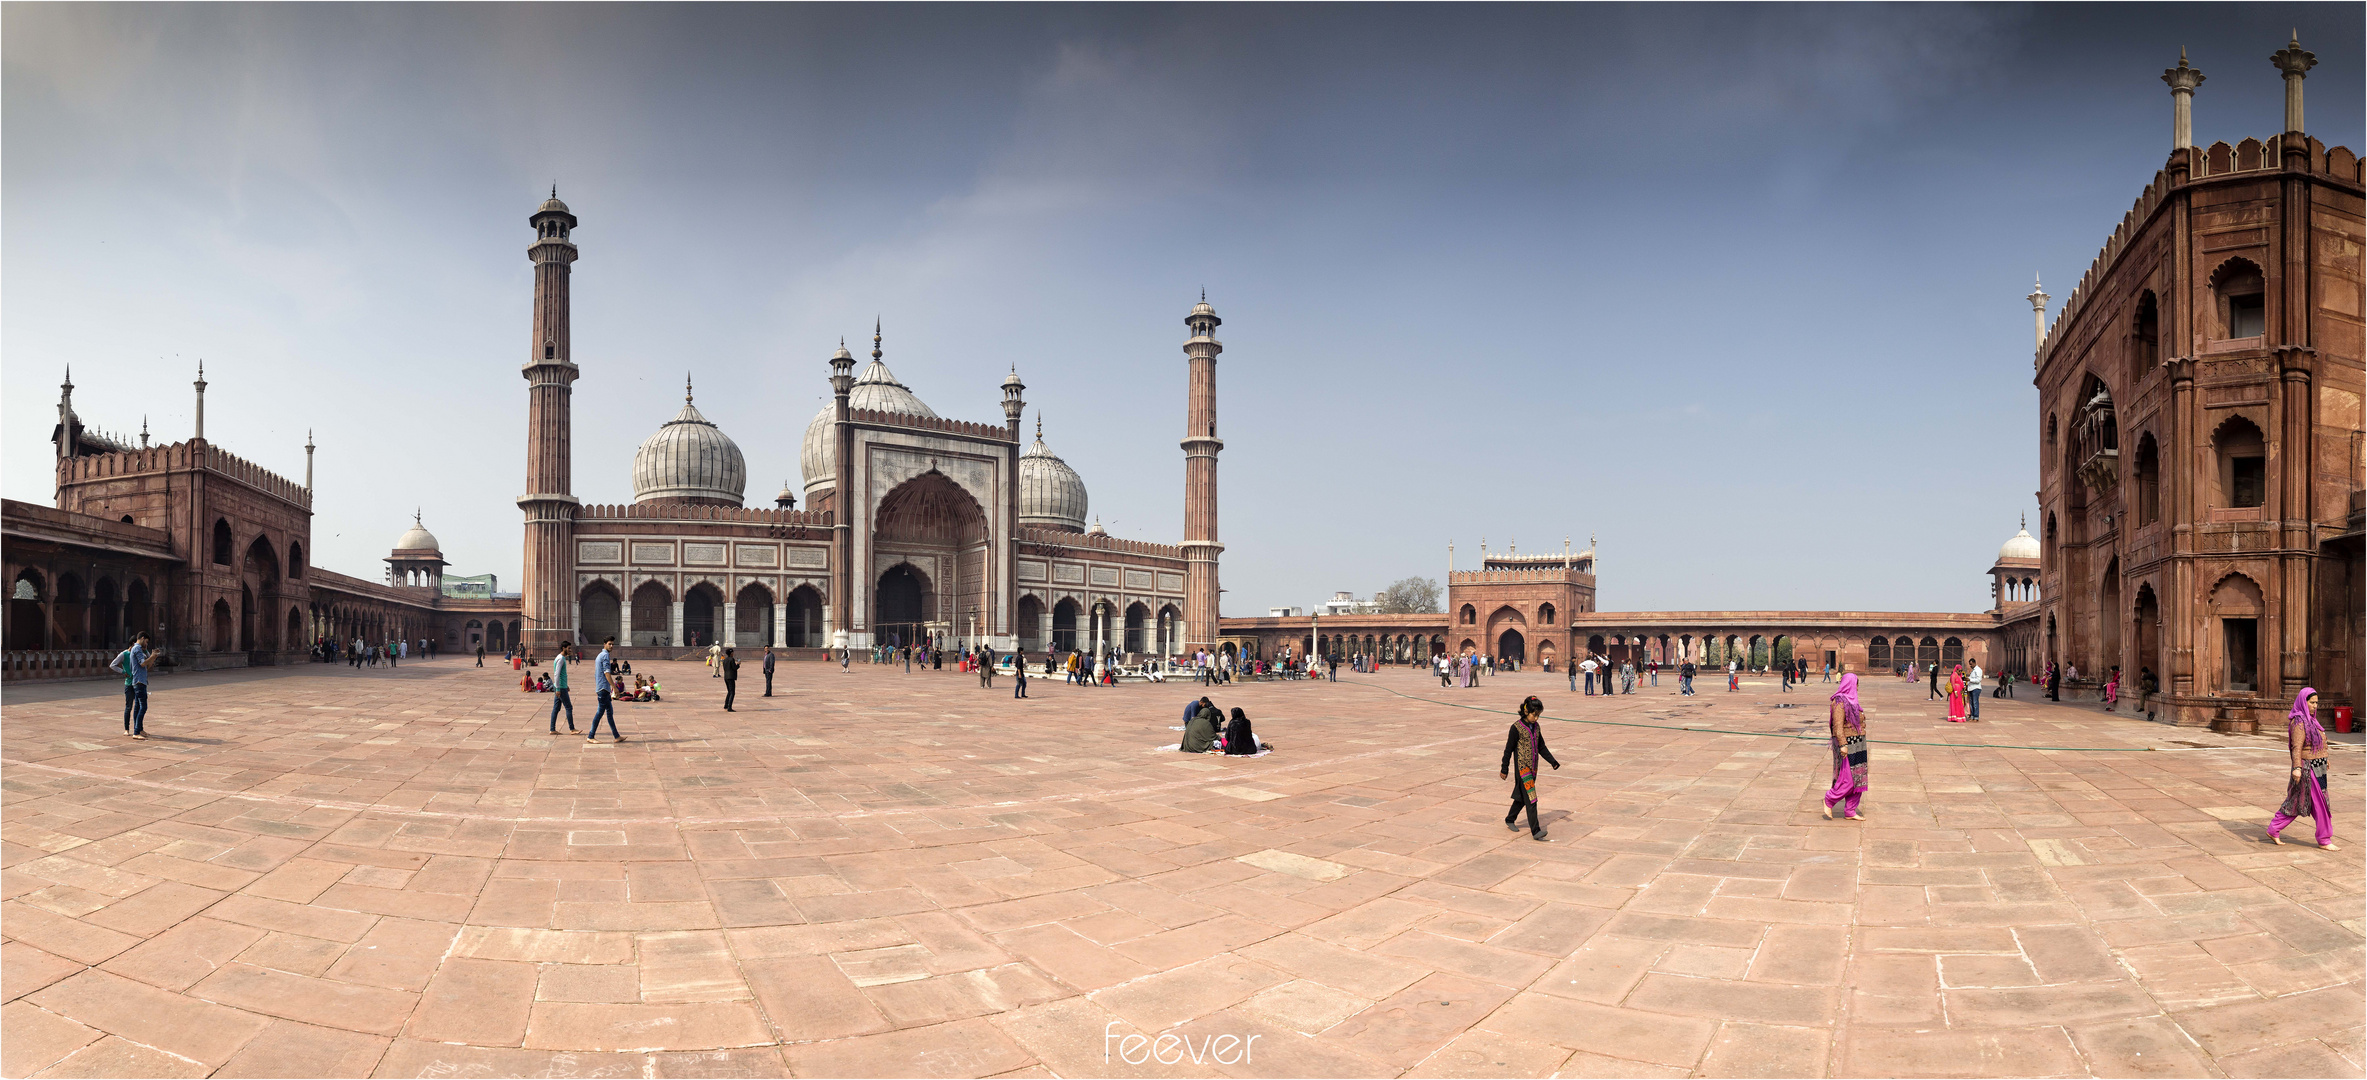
{"points": [[686, 388], [554, 189], [69, 376], [144, 432], [415, 515], [1039, 425], [875, 353]]}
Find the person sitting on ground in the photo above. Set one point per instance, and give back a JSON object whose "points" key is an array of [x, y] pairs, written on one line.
{"points": [[1239, 739], [1200, 732], [543, 684], [526, 683]]}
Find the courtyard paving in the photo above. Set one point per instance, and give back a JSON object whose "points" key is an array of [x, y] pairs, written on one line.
{"points": [[324, 872]]}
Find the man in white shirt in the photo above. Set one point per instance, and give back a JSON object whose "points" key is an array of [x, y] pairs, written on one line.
{"points": [[1972, 689], [1587, 668]]}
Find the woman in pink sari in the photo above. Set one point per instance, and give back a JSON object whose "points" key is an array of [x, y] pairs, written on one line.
{"points": [[1956, 703], [2112, 691], [2305, 792], [1850, 775]]}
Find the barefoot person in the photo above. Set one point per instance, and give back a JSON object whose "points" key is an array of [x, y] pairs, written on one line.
{"points": [[1522, 747], [1848, 722], [2305, 790]]}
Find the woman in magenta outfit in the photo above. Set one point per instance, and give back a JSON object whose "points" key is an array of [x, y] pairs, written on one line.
{"points": [[2305, 789], [1849, 751]]}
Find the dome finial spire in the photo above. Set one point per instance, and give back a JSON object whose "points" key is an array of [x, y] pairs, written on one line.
{"points": [[686, 388], [875, 353]]}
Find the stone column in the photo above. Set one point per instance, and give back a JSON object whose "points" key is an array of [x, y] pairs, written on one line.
{"points": [[780, 634], [674, 626], [2183, 80], [2295, 63], [731, 619]]}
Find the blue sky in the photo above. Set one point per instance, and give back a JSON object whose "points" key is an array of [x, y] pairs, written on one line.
{"points": [[1736, 289]]}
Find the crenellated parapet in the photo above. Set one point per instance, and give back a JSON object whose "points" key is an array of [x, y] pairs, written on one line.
{"points": [[1514, 577], [180, 457], [993, 432], [684, 511], [2214, 163], [1055, 538]]}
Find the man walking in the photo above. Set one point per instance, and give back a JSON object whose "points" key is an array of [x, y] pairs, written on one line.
{"points": [[1972, 689], [134, 663], [768, 671], [480, 654], [986, 666], [559, 689], [1685, 673], [1935, 682], [1573, 673], [1019, 669], [728, 666], [603, 669]]}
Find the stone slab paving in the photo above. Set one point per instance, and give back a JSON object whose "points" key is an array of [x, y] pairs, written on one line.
{"points": [[324, 872]]}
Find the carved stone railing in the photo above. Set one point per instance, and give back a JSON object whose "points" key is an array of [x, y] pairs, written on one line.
{"points": [[32, 665]]}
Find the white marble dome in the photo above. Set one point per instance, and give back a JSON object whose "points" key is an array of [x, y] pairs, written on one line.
{"points": [[1051, 494], [690, 460], [878, 389], [417, 538], [2021, 546]]}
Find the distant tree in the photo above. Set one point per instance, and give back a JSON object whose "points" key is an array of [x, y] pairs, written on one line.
{"points": [[1412, 596]]}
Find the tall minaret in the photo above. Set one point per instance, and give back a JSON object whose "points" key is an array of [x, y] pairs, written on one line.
{"points": [[2182, 79], [1200, 447], [200, 384], [66, 415], [549, 591], [2038, 299]]}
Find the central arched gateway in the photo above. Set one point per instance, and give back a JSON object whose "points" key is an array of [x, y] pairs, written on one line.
{"points": [[1510, 645], [935, 575]]}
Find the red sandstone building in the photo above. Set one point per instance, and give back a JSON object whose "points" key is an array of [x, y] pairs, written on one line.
{"points": [[207, 552], [2201, 472]]}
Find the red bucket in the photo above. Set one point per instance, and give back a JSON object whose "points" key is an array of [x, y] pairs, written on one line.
{"points": [[2342, 719]]}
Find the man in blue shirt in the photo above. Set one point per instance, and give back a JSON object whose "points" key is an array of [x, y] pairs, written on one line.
{"points": [[603, 668], [134, 663]]}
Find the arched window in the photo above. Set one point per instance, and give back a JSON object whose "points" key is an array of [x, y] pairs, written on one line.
{"points": [[1952, 651], [1928, 653], [1878, 654], [1470, 614], [2242, 476], [2242, 298], [1545, 614], [221, 542], [295, 559], [2149, 480]]}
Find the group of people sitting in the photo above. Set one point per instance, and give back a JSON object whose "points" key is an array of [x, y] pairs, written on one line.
{"points": [[1206, 732]]}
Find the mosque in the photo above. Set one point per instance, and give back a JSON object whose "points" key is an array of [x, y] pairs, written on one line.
{"points": [[916, 527]]}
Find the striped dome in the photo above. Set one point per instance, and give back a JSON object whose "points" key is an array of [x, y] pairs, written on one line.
{"points": [[1051, 494], [689, 460]]}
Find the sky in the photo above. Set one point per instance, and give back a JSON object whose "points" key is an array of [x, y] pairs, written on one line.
{"points": [[1736, 291]]}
